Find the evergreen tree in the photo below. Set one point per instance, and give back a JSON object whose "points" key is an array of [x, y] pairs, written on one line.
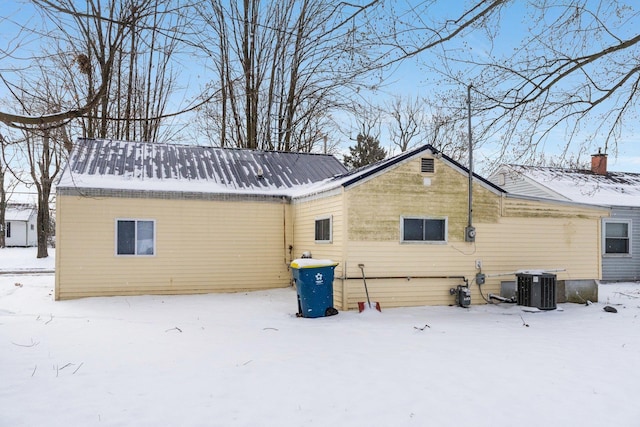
{"points": [[366, 151]]}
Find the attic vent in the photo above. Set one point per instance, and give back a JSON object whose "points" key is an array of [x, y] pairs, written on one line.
{"points": [[427, 166]]}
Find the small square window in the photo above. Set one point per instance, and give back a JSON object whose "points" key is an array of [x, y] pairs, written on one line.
{"points": [[135, 237], [323, 230], [424, 230]]}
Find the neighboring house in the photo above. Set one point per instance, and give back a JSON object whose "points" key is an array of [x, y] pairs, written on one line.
{"points": [[619, 234], [136, 218], [20, 225]]}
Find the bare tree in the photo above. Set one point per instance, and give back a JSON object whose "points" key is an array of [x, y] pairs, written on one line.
{"points": [[279, 70], [41, 149], [569, 74], [143, 75], [412, 121], [102, 36], [408, 120], [282, 68], [117, 59], [45, 159]]}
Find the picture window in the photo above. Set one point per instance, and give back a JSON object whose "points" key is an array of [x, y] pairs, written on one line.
{"points": [[424, 230]]}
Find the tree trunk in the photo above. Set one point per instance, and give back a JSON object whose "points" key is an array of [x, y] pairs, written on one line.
{"points": [[43, 222], [44, 191]]}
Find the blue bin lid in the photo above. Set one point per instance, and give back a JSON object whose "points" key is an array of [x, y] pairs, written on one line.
{"points": [[312, 263]]}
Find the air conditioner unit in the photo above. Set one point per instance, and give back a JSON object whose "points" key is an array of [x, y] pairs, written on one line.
{"points": [[537, 290]]}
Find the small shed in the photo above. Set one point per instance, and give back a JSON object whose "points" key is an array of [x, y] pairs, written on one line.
{"points": [[619, 192], [20, 225]]}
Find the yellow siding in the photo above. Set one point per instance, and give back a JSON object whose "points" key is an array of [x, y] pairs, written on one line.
{"points": [[511, 235], [201, 246], [304, 216], [375, 206], [211, 246]]}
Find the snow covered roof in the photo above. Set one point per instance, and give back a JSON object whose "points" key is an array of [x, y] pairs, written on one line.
{"points": [[18, 212], [584, 186], [124, 165]]}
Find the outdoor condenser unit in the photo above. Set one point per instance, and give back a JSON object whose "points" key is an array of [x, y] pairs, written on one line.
{"points": [[537, 290]]}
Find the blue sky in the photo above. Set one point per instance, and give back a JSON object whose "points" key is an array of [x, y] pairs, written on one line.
{"points": [[410, 79]]}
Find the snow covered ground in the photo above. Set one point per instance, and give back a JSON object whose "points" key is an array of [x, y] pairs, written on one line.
{"points": [[245, 360]]}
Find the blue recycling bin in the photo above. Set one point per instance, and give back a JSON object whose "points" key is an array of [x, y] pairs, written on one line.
{"points": [[314, 286]]}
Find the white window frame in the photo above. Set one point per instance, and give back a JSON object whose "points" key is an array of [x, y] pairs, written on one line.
{"points": [[135, 220], [315, 223], [606, 221], [424, 218]]}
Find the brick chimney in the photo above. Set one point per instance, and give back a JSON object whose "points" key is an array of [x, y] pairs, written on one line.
{"points": [[599, 163]]}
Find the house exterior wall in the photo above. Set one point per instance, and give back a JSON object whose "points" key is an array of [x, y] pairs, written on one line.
{"points": [[512, 234], [201, 246], [32, 231], [23, 233], [624, 267], [305, 212], [19, 231], [20, 225]]}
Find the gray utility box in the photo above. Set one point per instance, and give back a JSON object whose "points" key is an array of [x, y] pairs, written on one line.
{"points": [[537, 290]]}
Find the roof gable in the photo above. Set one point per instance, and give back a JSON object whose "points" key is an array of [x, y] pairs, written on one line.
{"points": [[101, 163], [364, 173], [360, 174], [581, 186]]}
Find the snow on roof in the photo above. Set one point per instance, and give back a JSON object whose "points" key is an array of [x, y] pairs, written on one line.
{"points": [[584, 186], [18, 212], [124, 165]]}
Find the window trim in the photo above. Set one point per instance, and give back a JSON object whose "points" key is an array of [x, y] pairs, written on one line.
{"points": [[135, 220], [427, 242], [8, 230], [606, 221], [315, 223]]}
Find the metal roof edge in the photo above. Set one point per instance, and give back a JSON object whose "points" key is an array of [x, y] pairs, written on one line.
{"points": [[169, 195], [369, 170], [556, 201], [313, 195], [381, 166], [530, 180]]}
